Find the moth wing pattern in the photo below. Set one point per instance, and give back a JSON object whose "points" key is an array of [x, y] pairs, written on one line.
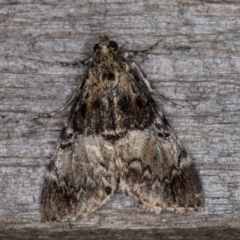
{"points": [[116, 137], [80, 177], [155, 169]]}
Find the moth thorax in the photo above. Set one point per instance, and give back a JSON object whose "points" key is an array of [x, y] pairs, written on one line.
{"points": [[106, 57], [104, 50]]}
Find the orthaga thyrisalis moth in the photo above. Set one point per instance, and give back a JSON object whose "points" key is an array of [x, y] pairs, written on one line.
{"points": [[116, 137]]}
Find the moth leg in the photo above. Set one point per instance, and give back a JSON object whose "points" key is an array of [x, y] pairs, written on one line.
{"points": [[86, 61], [138, 70], [142, 75], [62, 108], [74, 63], [133, 53]]}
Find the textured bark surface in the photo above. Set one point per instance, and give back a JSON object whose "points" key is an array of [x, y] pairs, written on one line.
{"points": [[196, 63]]}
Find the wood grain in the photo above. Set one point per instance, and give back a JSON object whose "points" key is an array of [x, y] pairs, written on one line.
{"points": [[197, 63]]}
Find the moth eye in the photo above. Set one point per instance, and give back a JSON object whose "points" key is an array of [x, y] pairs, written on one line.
{"points": [[113, 45], [96, 47]]}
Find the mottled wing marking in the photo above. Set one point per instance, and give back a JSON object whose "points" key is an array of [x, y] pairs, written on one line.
{"points": [[157, 172], [80, 177], [116, 137], [155, 169]]}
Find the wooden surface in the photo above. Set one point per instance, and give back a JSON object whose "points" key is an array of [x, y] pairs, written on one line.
{"points": [[197, 63]]}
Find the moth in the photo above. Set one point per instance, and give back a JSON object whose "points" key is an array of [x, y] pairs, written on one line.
{"points": [[116, 137]]}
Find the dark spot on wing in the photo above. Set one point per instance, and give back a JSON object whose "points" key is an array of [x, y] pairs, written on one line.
{"points": [[113, 137], [123, 103], [108, 190], [97, 104], [65, 136], [109, 76], [51, 166], [139, 102], [165, 122], [183, 154], [83, 109]]}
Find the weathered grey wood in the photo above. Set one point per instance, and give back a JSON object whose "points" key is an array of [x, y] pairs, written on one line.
{"points": [[197, 63]]}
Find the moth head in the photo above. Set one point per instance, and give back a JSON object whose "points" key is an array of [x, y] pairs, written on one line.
{"points": [[104, 41]]}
